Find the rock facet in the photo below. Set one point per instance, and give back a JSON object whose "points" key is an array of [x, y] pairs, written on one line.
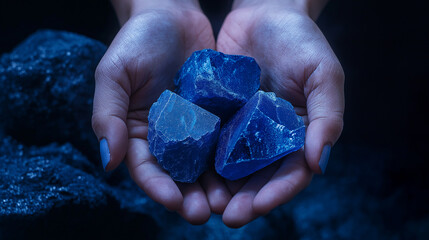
{"points": [[217, 82], [182, 136], [263, 131]]}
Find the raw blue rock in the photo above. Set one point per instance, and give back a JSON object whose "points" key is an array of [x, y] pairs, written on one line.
{"points": [[182, 136], [263, 131], [217, 82]]}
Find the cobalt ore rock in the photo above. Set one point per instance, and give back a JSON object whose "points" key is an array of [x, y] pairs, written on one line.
{"points": [[217, 82], [182, 136], [263, 131], [50, 76]]}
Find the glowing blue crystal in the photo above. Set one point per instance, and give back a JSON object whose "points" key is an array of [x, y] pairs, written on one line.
{"points": [[217, 82], [182, 136], [263, 131]]}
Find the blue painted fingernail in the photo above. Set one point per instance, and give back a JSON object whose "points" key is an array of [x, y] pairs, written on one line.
{"points": [[104, 152], [324, 158]]}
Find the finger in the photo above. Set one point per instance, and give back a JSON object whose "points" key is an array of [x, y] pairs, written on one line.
{"points": [[110, 109], [325, 105], [240, 209], [292, 176], [195, 208], [218, 194], [150, 177]]}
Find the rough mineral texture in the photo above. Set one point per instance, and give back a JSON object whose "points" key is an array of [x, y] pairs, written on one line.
{"points": [[42, 79], [182, 136], [218, 82], [57, 192], [263, 131]]}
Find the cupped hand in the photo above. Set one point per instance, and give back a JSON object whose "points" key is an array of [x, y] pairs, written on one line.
{"points": [[139, 65], [298, 65]]}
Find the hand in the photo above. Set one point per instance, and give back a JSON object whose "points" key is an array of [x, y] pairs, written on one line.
{"points": [[298, 65], [138, 66]]}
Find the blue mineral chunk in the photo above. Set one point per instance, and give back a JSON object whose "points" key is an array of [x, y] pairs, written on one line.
{"points": [[263, 131], [217, 82], [182, 136]]}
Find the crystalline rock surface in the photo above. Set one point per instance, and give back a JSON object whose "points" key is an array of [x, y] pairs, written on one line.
{"points": [[263, 131], [217, 82], [182, 136]]}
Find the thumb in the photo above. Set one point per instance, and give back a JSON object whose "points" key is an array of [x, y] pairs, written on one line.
{"points": [[325, 108], [111, 100]]}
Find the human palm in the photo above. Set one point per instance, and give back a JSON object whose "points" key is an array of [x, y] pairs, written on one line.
{"points": [[297, 64], [138, 66]]}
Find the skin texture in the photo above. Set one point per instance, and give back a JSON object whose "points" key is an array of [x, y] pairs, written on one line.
{"points": [[155, 40]]}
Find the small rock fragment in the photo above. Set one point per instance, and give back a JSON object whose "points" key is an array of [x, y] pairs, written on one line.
{"points": [[263, 131], [217, 82], [182, 136]]}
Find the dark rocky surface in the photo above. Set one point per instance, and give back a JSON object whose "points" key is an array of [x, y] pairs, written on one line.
{"points": [[55, 192], [48, 83]]}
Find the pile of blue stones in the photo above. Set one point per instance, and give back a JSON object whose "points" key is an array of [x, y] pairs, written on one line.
{"points": [[218, 112]]}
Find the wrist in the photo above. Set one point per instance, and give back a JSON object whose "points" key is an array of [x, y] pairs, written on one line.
{"points": [[125, 9], [312, 8]]}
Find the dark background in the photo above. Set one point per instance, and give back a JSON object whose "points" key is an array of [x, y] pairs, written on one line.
{"points": [[382, 45]]}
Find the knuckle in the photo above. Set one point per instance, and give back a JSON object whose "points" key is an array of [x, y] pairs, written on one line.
{"points": [[102, 70], [335, 69], [109, 66]]}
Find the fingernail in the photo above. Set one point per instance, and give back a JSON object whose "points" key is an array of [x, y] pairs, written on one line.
{"points": [[324, 158], [104, 152]]}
